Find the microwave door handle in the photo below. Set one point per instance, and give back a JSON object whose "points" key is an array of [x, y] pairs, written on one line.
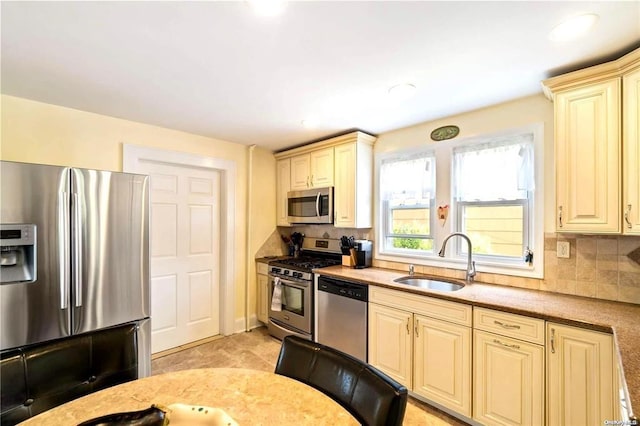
{"points": [[318, 205]]}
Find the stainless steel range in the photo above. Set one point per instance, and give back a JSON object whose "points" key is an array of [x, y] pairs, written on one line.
{"points": [[296, 278]]}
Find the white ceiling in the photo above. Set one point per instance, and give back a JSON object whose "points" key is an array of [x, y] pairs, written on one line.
{"points": [[216, 69]]}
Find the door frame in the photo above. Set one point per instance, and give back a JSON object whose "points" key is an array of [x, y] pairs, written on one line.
{"points": [[132, 158]]}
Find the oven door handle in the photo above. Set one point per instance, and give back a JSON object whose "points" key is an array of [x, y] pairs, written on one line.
{"points": [[290, 283]]}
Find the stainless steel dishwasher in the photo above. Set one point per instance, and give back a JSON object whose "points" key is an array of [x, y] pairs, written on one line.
{"points": [[342, 315]]}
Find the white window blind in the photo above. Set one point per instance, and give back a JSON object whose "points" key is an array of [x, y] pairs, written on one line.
{"points": [[498, 170]]}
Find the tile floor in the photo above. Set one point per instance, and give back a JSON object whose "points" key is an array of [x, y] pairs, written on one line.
{"points": [[259, 351]]}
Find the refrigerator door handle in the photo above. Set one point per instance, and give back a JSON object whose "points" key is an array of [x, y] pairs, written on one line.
{"points": [[77, 251], [63, 245]]}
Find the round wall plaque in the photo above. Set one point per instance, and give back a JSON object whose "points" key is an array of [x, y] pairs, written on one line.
{"points": [[445, 132]]}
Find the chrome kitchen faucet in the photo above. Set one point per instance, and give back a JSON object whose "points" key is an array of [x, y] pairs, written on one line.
{"points": [[471, 265]]}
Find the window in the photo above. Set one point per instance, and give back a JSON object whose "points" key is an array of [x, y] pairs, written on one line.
{"points": [[493, 187], [407, 185], [493, 183]]}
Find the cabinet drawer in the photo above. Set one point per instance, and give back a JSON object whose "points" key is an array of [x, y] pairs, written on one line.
{"points": [[263, 268], [431, 307], [510, 325]]}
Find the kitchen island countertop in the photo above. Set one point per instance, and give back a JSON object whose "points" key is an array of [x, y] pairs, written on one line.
{"points": [[621, 319]]}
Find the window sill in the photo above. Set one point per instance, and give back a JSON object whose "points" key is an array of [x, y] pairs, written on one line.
{"points": [[523, 270]]}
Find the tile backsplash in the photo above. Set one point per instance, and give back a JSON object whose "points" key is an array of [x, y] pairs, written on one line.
{"points": [[602, 267]]}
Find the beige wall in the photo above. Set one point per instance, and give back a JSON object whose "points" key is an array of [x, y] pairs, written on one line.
{"points": [[493, 119], [35, 132]]}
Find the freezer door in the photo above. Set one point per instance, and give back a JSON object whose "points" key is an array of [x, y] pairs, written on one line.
{"points": [[110, 248], [33, 312]]}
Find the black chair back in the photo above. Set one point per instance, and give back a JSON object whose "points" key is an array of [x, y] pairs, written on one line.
{"points": [[371, 396]]}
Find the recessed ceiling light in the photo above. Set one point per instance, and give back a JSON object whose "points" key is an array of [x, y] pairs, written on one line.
{"points": [[266, 7], [573, 27], [402, 91]]}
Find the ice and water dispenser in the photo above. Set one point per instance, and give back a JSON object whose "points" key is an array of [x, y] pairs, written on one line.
{"points": [[18, 253]]}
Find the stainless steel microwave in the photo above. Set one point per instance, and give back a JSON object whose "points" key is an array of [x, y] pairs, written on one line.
{"points": [[310, 206]]}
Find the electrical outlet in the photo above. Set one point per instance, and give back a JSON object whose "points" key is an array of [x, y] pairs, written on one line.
{"points": [[563, 249]]}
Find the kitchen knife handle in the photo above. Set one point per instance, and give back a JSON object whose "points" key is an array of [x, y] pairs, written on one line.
{"points": [[63, 247], [77, 252]]}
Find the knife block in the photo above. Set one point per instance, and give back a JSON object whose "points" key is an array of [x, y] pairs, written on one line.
{"points": [[347, 261]]}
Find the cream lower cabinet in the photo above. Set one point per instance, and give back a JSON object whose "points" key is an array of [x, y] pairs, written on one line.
{"points": [[390, 342], [508, 381], [262, 292], [442, 363], [508, 368], [580, 376], [430, 356]]}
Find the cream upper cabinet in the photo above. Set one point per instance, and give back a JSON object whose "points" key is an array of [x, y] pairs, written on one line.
{"points": [[353, 196], [424, 343], [300, 172], [508, 368], [588, 168], [283, 186], [596, 127], [345, 163], [580, 376], [313, 170], [631, 152], [322, 168], [262, 292]]}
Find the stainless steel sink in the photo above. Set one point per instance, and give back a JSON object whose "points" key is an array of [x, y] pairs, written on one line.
{"points": [[429, 283]]}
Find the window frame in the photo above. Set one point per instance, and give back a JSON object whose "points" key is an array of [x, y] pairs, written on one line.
{"points": [[443, 194], [388, 234], [385, 211]]}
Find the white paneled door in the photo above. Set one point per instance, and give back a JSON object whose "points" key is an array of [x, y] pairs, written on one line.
{"points": [[185, 253]]}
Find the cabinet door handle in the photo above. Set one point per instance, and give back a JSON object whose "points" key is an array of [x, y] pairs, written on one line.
{"points": [[553, 341], [626, 216], [408, 331], [506, 345], [560, 216], [507, 326], [307, 181], [416, 327], [311, 180]]}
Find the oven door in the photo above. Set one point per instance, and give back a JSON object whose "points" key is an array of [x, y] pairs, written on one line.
{"points": [[296, 304]]}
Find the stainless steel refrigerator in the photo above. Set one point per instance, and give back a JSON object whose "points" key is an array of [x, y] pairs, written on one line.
{"points": [[74, 254]]}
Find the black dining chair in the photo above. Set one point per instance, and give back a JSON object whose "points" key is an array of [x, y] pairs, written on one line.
{"points": [[371, 396]]}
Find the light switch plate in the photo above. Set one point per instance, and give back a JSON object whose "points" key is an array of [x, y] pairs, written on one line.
{"points": [[563, 249]]}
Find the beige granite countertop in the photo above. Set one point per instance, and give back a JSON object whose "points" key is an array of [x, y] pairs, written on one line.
{"points": [[250, 397], [621, 319]]}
